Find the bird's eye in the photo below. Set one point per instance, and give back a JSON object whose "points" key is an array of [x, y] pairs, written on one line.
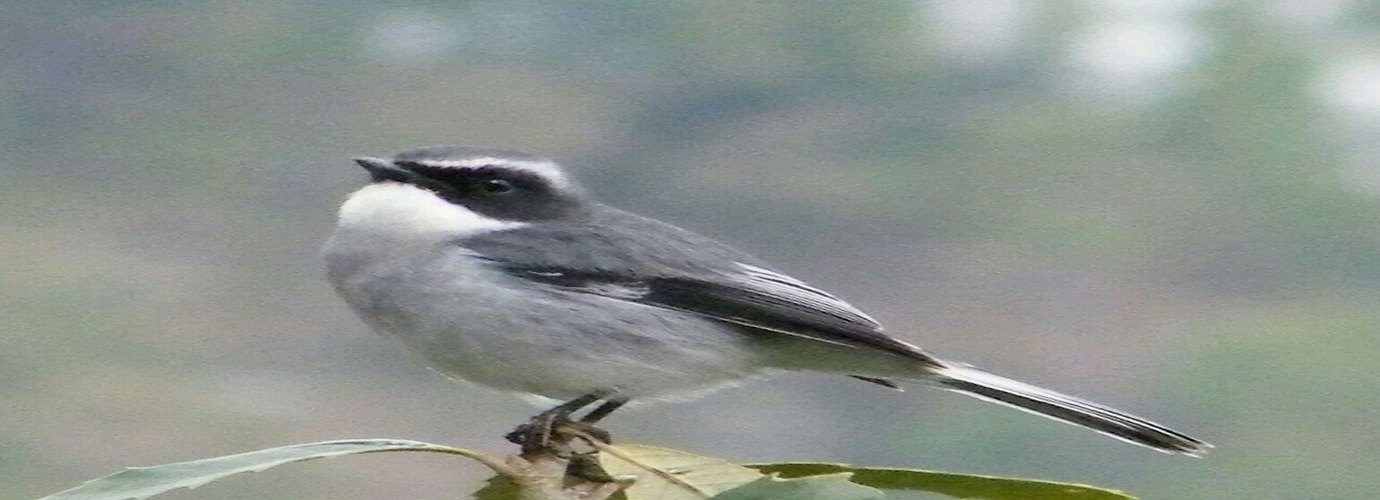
{"points": [[497, 186]]}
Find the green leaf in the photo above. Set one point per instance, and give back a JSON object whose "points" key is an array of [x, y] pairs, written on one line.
{"points": [[142, 482], [667, 474], [953, 485], [822, 487], [499, 487]]}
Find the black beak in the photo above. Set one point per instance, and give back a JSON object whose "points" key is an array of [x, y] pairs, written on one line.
{"points": [[385, 170]]}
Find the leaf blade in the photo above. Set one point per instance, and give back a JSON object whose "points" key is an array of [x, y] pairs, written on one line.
{"points": [[967, 486], [664, 473], [498, 488], [137, 483], [818, 487]]}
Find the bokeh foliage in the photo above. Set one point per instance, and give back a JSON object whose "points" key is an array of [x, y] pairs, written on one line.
{"points": [[1200, 246]]}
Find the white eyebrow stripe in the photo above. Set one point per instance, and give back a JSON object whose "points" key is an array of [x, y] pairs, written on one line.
{"points": [[548, 170]]}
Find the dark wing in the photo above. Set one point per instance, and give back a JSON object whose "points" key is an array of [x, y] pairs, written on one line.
{"points": [[657, 264]]}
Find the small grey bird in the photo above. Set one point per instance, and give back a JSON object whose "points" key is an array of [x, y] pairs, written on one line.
{"points": [[496, 268]]}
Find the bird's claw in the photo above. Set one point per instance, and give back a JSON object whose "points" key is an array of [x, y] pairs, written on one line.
{"points": [[552, 433]]}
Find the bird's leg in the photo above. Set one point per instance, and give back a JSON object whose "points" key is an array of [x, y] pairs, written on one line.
{"points": [[586, 423], [551, 431], [586, 465], [543, 431], [613, 403]]}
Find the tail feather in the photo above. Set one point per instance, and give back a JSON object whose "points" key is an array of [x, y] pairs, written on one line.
{"points": [[1064, 408]]}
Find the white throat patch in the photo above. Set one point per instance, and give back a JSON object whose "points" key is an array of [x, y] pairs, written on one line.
{"points": [[404, 211]]}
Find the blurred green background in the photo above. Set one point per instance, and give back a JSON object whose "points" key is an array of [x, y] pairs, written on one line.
{"points": [[1166, 206]]}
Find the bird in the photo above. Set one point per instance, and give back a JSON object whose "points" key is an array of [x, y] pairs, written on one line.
{"points": [[496, 267]]}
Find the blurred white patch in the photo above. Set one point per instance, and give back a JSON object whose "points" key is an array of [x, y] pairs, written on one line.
{"points": [[1144, 8], [1311, 13], [411, 36], [1353, 86], [976, 29], [1134, 58]]}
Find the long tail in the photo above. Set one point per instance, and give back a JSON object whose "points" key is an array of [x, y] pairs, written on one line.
{"points": [[1068, 409]]}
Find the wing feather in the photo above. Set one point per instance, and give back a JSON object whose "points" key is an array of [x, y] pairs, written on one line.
{"points": [[675, 269]]}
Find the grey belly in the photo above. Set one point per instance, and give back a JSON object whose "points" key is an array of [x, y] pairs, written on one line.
{"points": [[554, 343]]}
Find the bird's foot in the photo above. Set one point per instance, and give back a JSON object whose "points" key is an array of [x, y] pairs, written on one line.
{"points": [[586, 466], [552, 432]]}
